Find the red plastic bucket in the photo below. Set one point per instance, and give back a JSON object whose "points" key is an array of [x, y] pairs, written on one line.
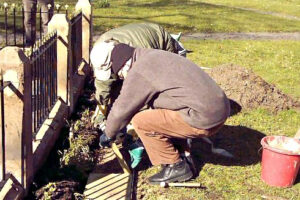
{"points": [[280, 166]]}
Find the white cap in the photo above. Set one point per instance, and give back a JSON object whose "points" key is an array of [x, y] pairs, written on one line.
{"points": [[100, 59]]}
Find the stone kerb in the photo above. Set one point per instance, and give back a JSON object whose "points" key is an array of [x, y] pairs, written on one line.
{"points": [[86, 8], [17, 104], [61, 24]]}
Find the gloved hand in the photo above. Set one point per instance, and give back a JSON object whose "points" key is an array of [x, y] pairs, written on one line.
{"points": [[136, 150], [104, 140]]}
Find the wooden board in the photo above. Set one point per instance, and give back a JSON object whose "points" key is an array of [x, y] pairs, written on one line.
{"points": [[108, 186]]}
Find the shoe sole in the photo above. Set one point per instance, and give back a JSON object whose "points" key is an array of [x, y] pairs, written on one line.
{"points": [[182, 178]]}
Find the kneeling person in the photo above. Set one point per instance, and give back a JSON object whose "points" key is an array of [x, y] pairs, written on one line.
{"points": [[185, 102]]}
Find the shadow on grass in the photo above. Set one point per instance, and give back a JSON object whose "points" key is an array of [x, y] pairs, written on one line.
{"points": [[298, 178], [242, 142], [235, 108], [103, 27], [214, 18]]}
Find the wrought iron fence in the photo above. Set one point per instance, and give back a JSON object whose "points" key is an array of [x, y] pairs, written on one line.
{"points": [[44, 79], [12, 18], [76, 41]]}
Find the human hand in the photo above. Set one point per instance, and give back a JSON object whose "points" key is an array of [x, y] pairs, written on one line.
{"points": [[104, 140]]}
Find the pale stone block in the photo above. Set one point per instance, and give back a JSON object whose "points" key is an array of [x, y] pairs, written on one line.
{"points": [[86, 8], [17, 105], [61, 24]]}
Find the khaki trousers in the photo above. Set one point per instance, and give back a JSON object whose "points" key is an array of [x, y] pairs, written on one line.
{"points": [[157, 128]]}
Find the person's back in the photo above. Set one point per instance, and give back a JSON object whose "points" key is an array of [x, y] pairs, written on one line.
{"points": [[168, 81], [141, 35], [138, 35]]}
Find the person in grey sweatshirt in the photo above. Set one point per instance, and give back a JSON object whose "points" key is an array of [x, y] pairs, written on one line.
{"points": [[185, 103]]}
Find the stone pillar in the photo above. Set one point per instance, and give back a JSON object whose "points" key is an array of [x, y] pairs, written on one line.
{"points": [[61, 24], [86, 8], [18, 122]]}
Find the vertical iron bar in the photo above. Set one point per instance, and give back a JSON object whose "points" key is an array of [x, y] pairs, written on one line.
{"points": [[51, 70], [15, 32], [41, 23], [2, 127], [42, 82], [38, 89], [23, 27], [55, 68], [44, 79], [6, 40], [35, 91], [32, 92]]}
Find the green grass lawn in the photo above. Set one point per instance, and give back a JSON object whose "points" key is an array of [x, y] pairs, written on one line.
{"points": [[238, 179], [277, 62], [285, 7], [189, 16]]}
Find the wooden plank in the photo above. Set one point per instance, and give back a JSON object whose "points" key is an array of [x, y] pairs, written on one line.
{"points": [[108, 186], [120, 158]]}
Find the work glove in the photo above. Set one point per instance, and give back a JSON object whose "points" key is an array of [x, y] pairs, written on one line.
{"points": [[136, 150], [105, 140]]}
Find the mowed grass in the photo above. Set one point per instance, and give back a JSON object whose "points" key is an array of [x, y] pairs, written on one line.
{"points": [[189, 16], [184, 16], [236, 179], [284, 7], [277, 62]]}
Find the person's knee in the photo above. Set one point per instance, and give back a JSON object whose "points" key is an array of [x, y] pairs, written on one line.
{"points": [[137, 122]]}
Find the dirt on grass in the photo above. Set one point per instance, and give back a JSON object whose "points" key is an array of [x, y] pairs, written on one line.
{"points": [[249, 90], [63, 190]]}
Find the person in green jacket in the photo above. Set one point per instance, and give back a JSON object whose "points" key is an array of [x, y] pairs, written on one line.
{"points": [[142, 35]]}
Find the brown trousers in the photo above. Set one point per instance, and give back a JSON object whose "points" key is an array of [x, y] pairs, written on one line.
{"points": [[157, 128]]}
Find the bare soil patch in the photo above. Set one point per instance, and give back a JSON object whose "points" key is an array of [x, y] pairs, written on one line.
{"points": [[63, 190], [249, 90]]}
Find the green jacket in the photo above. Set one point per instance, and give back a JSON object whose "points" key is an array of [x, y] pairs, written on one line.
{"points": [[143, 35]]}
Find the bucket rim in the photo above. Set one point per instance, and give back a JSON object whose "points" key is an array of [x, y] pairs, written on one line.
{"points": [[265, 145]]}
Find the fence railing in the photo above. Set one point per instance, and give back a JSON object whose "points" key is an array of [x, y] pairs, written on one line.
{"points": [[76, 41], [38, 102], [43, 60], [12, 22]]}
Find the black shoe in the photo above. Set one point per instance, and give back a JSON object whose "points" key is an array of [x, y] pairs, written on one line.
{"points": [[178, 172], [191, 163]]}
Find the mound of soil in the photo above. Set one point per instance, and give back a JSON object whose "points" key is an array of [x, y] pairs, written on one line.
{"points": [[63, 190], [249, 90]]}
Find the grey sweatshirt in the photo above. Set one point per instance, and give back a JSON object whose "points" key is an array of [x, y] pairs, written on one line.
{"points": [[168, 81]]}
